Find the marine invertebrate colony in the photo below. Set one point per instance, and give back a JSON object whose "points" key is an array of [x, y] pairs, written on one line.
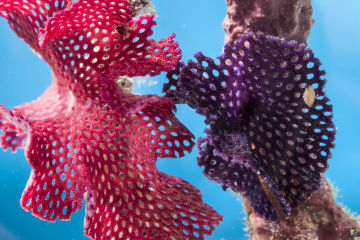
{"points": [[320, 217], [271, 127], [86, 135]]}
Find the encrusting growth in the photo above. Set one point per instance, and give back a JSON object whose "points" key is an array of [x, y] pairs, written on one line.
{"points": [[317, 218], [291, 19], [85, 134], [142, 6]]}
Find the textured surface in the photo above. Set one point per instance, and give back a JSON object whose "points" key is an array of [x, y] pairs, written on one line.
{"points": [[234, 170], [86, 135], [266, 95], [291, 19], [142, 6], [319, 218]]}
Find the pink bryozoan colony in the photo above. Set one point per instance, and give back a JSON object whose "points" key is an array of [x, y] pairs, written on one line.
{"points": [[87, 136], [269, 134]]}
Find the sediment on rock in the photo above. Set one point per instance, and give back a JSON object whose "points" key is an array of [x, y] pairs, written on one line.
{"points": [[320, 218], [291, 19]]}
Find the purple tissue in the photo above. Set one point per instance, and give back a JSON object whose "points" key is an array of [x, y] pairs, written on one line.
{"points": [[268, 119]]}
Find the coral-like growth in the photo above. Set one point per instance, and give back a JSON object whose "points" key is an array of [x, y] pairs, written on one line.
{"points": [[291, 19], [85, 134], [271, 127]]}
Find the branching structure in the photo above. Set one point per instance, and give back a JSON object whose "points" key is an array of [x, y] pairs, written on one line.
{"points": [[269, 134], [87, 136]]}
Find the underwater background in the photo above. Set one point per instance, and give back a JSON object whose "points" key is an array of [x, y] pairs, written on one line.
{"points": [[334, 38]]}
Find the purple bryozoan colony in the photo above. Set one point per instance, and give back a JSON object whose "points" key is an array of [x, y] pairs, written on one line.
{"points": [[320, 217], [270, 122]]}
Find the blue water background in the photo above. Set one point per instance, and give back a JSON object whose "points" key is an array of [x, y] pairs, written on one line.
{"points": [[335, 39]]}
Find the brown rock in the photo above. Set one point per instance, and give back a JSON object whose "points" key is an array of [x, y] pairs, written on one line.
{"points": [[320, 218], [291, 19]]}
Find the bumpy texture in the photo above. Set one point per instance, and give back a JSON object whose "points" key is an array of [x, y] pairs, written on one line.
{"points": [[291, 19], [319, 218], [85, 134], [270, 121], [142, 6]]}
